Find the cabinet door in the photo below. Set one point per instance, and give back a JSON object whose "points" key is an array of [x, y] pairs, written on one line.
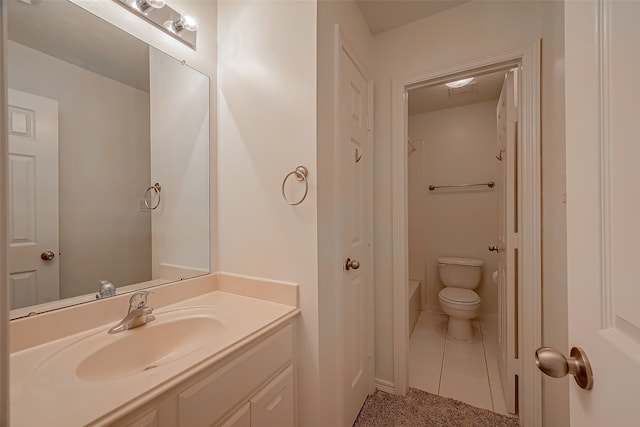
{"points": [[273, 405], [240, 418], [205, 402]]}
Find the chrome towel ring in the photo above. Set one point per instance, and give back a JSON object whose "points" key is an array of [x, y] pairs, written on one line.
{"points": [[147, 200], [300, 173]]}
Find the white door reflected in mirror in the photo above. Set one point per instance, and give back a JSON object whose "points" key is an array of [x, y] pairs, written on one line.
{"points": [[33, 199]]}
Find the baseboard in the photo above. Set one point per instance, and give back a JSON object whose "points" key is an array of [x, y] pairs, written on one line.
{"points": [[386, 386], [487, 316], [481, 316], [434, 309]]}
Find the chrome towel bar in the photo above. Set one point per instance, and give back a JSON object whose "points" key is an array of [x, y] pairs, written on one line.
{"points": [[489, 184]]}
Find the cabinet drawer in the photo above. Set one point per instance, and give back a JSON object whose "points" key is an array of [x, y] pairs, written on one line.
{"points": [[240, 418], [273, 405], [158, 413], [148, 419], [208, 400]]}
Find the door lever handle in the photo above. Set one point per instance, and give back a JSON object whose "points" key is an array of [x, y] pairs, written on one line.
{"points": [[494, 248]]}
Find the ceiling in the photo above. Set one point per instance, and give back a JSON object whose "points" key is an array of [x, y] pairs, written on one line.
{"points": [[385, 15], [438, 97]]}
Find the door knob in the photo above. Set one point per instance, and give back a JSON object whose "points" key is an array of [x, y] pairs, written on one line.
{"points": [[47, 256], [349, 264], [557, 365], [494, 248]]}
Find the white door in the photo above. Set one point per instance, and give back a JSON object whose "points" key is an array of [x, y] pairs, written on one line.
{"points": [[603, 206], [33, 199], [356, 203], [507, 120]]}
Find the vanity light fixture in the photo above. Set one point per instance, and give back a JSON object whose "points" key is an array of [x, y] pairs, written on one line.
{"points": [[181, 26], [459, 83]]}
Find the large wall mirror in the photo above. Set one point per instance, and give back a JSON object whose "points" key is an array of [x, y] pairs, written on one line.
{"points": [[108, 160]]}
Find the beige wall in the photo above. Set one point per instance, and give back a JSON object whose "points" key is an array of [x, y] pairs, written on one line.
{"points": [[462, 32], [459, 147], [103, 170]]}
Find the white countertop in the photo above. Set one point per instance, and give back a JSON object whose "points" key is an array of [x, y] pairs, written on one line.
{"points": [[57, 397]]}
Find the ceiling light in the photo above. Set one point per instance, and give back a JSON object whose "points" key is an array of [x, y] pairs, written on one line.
{"points": [[459, 83]]}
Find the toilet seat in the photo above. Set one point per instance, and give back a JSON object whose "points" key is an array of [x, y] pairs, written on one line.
{"points": [[459, 296]]}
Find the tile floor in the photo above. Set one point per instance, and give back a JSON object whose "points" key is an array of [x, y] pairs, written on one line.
{"points": [[465, 371]]}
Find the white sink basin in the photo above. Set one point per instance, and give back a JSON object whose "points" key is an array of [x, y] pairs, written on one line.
{"points": [[148, 347], [173, 335]]}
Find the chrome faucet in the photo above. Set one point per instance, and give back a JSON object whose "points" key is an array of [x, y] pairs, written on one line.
{"points": [[139, 313]]}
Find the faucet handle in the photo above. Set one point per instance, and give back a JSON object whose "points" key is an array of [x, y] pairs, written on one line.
{"points": [[106, 289], [138, 300]]}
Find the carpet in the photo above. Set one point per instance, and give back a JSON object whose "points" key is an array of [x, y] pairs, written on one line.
{"points": [[421, 409]]}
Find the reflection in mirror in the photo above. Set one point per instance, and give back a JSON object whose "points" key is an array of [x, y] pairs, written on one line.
{"points": [[96, 119]]}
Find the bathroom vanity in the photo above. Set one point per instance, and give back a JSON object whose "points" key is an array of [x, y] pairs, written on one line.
{"points": [[219, 352]]}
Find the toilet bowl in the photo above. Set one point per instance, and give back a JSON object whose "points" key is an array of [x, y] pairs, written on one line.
{"points": [[457, 299]]}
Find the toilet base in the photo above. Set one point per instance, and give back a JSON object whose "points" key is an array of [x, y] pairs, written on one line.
{"points": [[460, 329]]}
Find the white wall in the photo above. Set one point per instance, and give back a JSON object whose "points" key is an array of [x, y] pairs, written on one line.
{"points": [[179, 98], [103, 170], [459, 147], [267, 127], [462, 32]]}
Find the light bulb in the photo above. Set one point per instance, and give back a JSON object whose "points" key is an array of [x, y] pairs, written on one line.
{"points": [[459, 83], [186, 22], [144, 5], [189, 22]]}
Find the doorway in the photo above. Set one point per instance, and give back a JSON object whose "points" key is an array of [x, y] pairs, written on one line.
{"points": [[461, 158], [526, 58]]}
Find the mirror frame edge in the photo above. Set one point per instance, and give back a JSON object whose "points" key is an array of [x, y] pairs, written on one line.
{"points": [[4, 282]]}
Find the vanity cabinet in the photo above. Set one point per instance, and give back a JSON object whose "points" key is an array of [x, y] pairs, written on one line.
{"points": [[271, 406], [252, 387]]}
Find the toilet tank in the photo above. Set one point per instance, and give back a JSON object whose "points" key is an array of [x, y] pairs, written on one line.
{"points": [[460, 272]]}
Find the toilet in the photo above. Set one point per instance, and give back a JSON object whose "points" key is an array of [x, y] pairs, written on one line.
{"points": [[460, 276]]}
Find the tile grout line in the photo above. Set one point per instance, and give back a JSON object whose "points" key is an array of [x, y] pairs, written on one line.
{"points": [[486, 365], [444, 349]]}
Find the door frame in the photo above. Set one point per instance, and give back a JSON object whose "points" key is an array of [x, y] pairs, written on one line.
{"points": [[4, 288], [527, 55]]}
